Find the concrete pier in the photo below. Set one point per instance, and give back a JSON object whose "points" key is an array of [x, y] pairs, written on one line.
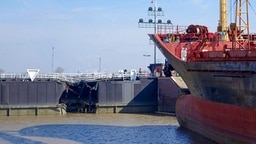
{"points": [[26, 110]]}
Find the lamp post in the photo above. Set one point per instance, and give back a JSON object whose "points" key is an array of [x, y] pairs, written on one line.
{"points": [[146, 56], [52, 59], [155, 12]]}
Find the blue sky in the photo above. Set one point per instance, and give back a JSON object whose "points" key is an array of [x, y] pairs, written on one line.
{"points": [[83, 31]]}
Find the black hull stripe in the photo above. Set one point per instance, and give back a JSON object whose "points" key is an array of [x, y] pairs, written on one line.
{"points": [[225, 73]]}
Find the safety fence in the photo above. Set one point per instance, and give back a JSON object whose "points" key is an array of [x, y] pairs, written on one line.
{"points": [[75, 77]]}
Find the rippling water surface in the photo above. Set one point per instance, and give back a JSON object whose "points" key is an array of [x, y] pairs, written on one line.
{"points": [[96, 128]]}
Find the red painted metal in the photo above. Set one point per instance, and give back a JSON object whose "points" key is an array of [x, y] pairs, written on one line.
{"points": [[224, 123], [202, 45]]}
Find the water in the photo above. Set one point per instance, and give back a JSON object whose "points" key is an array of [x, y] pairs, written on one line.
{"points": [[96, 128]]}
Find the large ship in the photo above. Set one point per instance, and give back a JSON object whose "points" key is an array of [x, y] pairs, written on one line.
{"points": [[219, 69]]}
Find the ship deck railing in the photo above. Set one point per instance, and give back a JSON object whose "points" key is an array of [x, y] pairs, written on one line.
{"points": [[170, 29]]}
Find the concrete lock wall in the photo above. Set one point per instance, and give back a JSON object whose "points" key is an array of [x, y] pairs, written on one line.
{"points": [[18, 97], [144, 95], [128, 96], [30, 93]]}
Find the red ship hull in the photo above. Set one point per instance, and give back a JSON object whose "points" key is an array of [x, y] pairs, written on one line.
{"points": [[224, 123], [219, 69]]}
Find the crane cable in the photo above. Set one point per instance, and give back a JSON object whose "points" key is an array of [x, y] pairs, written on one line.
{"points": [[252, 8]]}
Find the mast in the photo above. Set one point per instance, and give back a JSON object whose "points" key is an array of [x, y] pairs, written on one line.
{"points": [[222, 27], [155, 27]]}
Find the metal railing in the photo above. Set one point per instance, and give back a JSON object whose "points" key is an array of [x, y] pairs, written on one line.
{"points": [[171, 29], [75, 77]]}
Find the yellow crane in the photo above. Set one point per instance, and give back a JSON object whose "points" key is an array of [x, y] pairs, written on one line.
{"points": [[222, 27], [241, 24]]}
